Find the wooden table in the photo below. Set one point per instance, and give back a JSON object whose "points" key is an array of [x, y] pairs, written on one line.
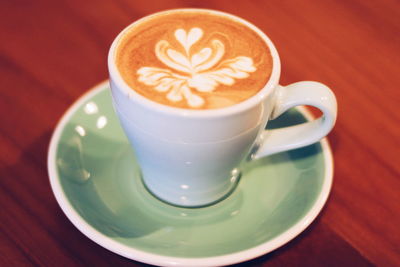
{"points": [[51, 52]]}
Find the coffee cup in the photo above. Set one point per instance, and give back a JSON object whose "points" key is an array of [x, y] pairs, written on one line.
{"points": [[194, 90]]}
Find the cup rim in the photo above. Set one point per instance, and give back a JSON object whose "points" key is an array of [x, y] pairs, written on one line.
{"points": [[116, 78]]}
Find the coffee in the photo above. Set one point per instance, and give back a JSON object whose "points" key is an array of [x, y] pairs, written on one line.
{"points": [[193, 59]]}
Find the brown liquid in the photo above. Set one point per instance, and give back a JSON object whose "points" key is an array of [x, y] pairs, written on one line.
{"points": [[193, 60]]}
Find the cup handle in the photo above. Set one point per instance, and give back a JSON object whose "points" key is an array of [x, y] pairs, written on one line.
{"points": [[296, 94]]}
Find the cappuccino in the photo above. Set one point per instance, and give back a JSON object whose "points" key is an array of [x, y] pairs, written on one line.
{"points": [[193, 59]]}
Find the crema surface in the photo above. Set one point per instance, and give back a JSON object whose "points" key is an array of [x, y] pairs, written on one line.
{"points": [[193, 60]]}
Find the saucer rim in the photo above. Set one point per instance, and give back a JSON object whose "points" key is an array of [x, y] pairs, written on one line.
{"points": [[156, 259]]}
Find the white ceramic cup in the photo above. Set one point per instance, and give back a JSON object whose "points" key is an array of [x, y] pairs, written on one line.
{"points": [[190, 157]]}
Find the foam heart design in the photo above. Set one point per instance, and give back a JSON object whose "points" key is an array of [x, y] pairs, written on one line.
{"points": [[188, 39], [196, 70]]}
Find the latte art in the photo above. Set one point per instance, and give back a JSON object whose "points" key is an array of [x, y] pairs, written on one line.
{"points": [[194, 60], [198, 67]]}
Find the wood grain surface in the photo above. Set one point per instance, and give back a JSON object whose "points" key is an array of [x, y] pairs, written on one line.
{"points": [[51, 52]]}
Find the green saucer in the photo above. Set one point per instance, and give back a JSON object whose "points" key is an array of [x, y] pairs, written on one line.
{"points": [[95, 178]]}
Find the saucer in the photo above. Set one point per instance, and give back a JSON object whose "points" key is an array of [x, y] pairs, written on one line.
{"points": [[96, 181]]}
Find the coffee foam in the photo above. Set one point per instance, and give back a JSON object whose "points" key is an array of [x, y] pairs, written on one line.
{"points": [[193, 59]]}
